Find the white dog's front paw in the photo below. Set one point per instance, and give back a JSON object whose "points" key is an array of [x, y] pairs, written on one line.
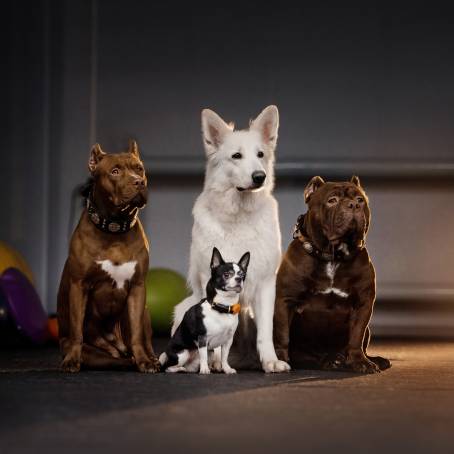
{"points": [[275, 366], [204, 369], [229, 370]]}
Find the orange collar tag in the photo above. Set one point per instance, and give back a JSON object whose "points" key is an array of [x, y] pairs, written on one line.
{"points": [[236, 308]]}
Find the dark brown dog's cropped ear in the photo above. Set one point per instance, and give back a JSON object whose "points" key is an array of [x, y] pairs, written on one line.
{"points": [[96, 155], [133, 147], [312, 186], [355, 180]]}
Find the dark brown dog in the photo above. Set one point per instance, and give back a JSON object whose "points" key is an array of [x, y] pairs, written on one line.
{"points": [[101, 301], [326, 283]]}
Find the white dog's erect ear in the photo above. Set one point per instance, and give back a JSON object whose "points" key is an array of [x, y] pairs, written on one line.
{"points": [[214, 129], [312, 186], [267, 124], [133, 147], [96, 155], [216, 258], [355, 180], [244, 261]]}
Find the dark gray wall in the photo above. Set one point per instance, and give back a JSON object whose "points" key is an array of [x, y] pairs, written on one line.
{"points": [[365, 89]]}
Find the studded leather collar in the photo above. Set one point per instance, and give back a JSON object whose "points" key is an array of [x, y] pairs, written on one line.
{"points": [[114, 224], [341, 253]]}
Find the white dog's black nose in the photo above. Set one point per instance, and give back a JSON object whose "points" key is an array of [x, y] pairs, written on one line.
{"points": [[258, 177]]}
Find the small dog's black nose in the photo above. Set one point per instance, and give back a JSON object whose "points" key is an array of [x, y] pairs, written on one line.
{"points": [[238, 279], [258, 177]]}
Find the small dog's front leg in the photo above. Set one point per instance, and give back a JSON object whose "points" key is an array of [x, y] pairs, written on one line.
{"points": [[225, 357], [203, 356], [77, 299]]}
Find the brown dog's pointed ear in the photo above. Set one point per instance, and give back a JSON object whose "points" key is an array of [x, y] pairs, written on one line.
{"points": [[355, 180], [312, 186], [96, 155], [133, 147]]}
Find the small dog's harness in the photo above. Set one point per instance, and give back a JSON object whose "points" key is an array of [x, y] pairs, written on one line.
{"points": [[342, 253], [117, 224]]}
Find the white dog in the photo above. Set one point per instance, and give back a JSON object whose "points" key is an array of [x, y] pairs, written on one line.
{"points": [[237, 212]]}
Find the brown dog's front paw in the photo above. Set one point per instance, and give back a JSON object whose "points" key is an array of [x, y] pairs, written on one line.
{"points": [[71, 362], [144, 363], [358, 362], [148, 367], [334, 362], [364, 366]]}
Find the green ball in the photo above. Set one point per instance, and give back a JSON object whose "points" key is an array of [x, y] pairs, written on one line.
{"points": [[165, 289]]}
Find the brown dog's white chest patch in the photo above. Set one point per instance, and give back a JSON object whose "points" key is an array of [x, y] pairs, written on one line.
{"points": [[119, 273], [331, 268]]}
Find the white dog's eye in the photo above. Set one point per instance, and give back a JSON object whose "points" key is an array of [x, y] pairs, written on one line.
{"points": [[115, 171], [237, 156], [260, 154]]}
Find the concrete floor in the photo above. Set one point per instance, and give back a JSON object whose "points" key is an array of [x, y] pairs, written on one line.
{"points": [[409, 408]]}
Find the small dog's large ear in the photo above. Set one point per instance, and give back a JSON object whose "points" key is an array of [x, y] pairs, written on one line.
{"points": [[312, 186], [96, 155], [133, 147], [244, 261], [214, 130], [216, 259], [355, 180], [267, 124]]}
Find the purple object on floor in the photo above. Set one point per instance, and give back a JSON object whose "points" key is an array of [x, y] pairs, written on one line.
{"points": [[24, 305]]}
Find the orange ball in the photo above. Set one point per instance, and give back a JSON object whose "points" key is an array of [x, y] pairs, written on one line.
{"points": [[52, 327]]}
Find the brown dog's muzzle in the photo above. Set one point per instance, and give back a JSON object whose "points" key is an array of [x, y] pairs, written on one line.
{"points": [[344, 221]]}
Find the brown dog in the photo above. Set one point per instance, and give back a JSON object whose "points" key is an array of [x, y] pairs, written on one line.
{"points": [[326, 283], [101, 301]]}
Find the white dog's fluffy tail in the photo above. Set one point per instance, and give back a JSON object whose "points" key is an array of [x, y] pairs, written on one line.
{"points": [[180, 310]]}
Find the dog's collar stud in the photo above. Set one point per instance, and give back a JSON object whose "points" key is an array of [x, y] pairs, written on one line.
{"points": [[342, 253], [118, 224]]}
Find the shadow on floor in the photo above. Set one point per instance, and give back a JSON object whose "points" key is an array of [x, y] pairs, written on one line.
{"points": [[33, 390]]}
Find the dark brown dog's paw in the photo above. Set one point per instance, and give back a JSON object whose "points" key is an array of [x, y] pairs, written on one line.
{"points": [[334, 362], [364, 366], [70, 364], [381, 362]]}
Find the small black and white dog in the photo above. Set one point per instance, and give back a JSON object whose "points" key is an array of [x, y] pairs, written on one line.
{"points": [[211, 323]]}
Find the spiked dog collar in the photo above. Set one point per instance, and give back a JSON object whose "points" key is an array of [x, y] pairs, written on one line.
{"points": [[114, 224], [341, 253]]}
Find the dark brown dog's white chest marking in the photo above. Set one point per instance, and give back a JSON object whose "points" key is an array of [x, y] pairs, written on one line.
{"points": [[118, 273], [330, 269]]}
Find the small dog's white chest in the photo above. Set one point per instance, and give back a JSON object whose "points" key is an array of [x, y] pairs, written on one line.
{"points": [[331, 268], [118, 273], [219, 327]]}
